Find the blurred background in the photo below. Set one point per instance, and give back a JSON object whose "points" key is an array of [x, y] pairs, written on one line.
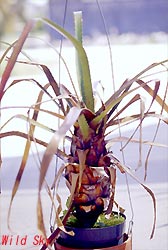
{"points": [[126, 20]]}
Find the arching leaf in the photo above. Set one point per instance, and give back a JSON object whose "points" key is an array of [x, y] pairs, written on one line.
{"points": [[86, 89]]}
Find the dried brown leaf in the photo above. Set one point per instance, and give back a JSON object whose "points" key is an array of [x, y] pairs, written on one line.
{"points": [[16, 50], [52, 147]]}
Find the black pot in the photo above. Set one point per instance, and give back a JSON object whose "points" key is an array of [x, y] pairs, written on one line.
{"points": [[93, 237]]}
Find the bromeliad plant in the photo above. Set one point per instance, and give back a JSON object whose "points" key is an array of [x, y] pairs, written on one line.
{"points": [[89, 166]]}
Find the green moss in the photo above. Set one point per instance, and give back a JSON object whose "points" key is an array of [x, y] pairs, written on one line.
{"points": [[72, 221], [102, 221], [114, 219]]}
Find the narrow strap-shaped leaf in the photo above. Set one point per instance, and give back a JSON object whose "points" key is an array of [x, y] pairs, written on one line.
{"points": [[125, 169], [113, 97], [51, 239], [134, 99], [54, 85], [10, 46], [116, 97], [25, 155], [82, 160], [112, 141], [17, 48], [59, 209], [111, 104], [51, 149], [72, 101], [157, 128], [87, 92], [30, 62], [78, 34], [31, 121], [84, 127], [62, 155], [153, 93], [112, 172]]}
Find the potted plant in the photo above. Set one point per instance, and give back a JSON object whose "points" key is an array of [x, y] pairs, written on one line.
{"points": [[89, 166]]}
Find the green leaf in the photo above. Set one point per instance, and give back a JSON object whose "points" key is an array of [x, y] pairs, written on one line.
{"points": [[86, 89], [78, 25], [78, 34], [84, 127]]}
